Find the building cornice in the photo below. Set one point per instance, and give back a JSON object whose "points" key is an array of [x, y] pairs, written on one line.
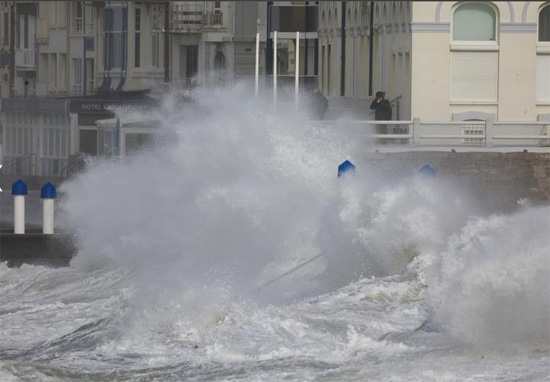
{"points": [[427, 27], [518, 27]]}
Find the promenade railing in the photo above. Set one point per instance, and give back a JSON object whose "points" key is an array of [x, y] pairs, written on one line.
{"points": [[419, 133]]}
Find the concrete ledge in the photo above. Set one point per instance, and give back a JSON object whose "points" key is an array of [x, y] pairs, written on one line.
{"points": [[55, 250]]}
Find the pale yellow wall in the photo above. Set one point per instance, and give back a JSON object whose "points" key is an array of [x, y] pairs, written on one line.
{"points": [[517, 77], [517, 64], [430, 76]]}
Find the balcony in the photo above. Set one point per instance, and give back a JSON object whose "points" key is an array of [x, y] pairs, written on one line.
{"points": [[25, 59], [186, 17], [78, 23], [213, 18]]}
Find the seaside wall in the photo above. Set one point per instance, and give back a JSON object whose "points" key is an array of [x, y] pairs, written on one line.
{"points": [[498, 180]]}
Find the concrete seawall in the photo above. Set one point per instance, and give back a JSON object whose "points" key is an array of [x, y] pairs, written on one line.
{"points": [[497, 180], [38, 249]]}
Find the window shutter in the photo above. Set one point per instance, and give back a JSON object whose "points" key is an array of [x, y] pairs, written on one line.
{"points": [[543, 77], [474, 76]]}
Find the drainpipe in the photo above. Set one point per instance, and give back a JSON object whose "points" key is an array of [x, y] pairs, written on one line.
{"points": [[371, 44], [166, 43], [268, 43], [306, 45], [12, 50], [83, 5], [343, 52]]}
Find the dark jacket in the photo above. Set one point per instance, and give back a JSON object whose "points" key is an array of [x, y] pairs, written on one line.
{"points": [[319, 104], [382, 110]]}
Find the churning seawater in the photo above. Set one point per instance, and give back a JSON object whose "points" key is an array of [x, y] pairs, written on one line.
{"points": [[179, 245]]}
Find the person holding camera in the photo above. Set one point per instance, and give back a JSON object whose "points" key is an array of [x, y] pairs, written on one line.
{"points": [[382, 107], [382, 112]]}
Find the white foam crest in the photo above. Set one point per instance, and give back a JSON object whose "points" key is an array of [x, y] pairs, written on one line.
{"points": [[490, 287], [378, 226]]}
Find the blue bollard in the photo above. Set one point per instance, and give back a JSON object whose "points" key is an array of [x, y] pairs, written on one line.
{"points": [[48, 191], [345, 167], [428, 171]]}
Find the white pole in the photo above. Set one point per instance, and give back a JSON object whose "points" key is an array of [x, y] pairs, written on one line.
{"points": [[275, 68], [48, 193], [297, 70], [19, 214], [48, 208], [257, 74]]}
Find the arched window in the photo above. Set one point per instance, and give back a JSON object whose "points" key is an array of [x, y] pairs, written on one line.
{"points": [[219, 61], [543, 59], [544, 24], [474, 22]]}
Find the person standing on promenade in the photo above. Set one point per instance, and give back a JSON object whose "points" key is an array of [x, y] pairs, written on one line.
{"points": [[382, 107]]}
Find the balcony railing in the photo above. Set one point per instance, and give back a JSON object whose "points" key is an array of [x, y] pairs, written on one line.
{"points": [[186, 16], [213, 18], [25, 58], [78, 23]]}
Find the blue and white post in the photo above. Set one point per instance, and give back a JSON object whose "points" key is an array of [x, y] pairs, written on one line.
{"points": [[19, 191], [48, 193], [345, 167]]}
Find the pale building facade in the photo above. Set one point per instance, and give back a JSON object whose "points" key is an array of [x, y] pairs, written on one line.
{"points": [[18, 47], [441, 60]]}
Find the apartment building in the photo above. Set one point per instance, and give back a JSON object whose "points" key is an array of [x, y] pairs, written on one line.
{"points": [[444, 60], [18, 49], [90, 56]]}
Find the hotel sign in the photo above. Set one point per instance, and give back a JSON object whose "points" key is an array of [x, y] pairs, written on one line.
{"points": [[99, 107]]}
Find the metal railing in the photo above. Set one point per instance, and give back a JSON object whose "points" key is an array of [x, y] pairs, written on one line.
{"points": [[416, 133], [213, 18], [25, 58], [78, 23], [396, 106], [74, 167], [21, 165], [186, 16]]}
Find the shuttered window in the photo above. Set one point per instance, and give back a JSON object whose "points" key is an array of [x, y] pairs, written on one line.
{"points": [[474, 76], [543, 77]]}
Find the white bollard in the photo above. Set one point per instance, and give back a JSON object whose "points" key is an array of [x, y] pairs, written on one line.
{"points": [[275, 69], [48, 205], [19, 214], [19, 190], [257, 71], [297, 71], [48, 194]]}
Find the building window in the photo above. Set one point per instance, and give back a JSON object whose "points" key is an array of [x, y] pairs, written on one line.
{"points": [[78, 18], [474, 54], [6, 29], [77, 74], [474, 22], [115, 31], [155, 50], [543, 57], [544, 24], [157, 17], [137, 44], [219, 61]]}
